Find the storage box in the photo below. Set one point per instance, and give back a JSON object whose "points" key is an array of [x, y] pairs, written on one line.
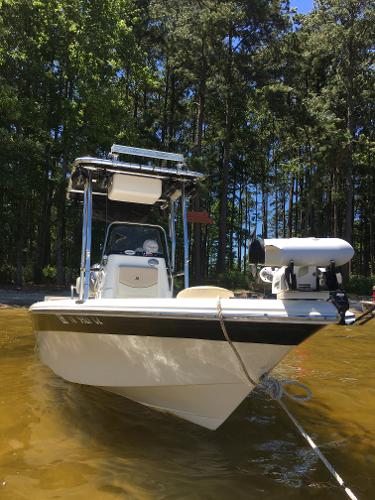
{"points": [[135, 189]]}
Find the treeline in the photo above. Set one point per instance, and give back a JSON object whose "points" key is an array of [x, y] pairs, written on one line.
{"points": [[277, 108]]}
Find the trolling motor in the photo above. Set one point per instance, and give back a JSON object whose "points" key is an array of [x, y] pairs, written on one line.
{"points": [[304, 268]]}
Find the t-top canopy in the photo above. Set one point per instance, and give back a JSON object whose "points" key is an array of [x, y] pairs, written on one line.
{"points": [[105, 170]]}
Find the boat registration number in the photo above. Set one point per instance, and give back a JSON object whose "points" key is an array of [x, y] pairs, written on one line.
{"points": [[83, 320]]}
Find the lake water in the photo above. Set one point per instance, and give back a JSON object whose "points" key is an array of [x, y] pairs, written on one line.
{"points": [[61, 440]]}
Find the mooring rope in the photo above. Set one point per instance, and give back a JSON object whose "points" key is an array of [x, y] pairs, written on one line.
{"points": [[276, 390], [237, 354]]}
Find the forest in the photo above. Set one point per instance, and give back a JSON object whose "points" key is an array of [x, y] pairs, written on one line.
{"points": [[275, 107]]}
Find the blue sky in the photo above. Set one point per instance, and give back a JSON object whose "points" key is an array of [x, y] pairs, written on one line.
{"points": [[303, 6]]}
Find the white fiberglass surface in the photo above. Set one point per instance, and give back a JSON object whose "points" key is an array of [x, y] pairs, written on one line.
{"points": [[232, 308], [131, 360]]}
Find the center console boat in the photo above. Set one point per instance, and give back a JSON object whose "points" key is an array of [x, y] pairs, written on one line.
{"points": [[195, 354]]}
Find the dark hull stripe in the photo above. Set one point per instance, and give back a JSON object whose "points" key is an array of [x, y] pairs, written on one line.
{"points": [[259, 333]]}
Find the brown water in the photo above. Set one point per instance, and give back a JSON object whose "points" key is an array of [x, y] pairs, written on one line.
{"points": [[60, 440]]}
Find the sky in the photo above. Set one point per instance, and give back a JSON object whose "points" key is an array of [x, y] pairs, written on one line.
{"points": [[303, 6]]}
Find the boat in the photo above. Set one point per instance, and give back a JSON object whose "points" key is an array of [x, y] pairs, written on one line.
{"points": [[369, 304], [196, 353], [368, 308]]}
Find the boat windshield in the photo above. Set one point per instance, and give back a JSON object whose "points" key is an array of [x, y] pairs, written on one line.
{"points": [[130, 239]]}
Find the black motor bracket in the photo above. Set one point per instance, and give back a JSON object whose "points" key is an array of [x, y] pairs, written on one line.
{"points": [[337, 296], [340, 300], [290, 276], [331, 278]]}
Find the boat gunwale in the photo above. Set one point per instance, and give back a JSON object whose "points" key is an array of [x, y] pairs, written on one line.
{"points": [[255, 318]]}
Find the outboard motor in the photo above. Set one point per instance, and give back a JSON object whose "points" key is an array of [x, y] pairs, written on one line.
{"points": [[304, 268]]}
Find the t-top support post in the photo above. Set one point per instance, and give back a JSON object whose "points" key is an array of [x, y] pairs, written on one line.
{"points": [[86, 240], [184, 206], [172, 233]]}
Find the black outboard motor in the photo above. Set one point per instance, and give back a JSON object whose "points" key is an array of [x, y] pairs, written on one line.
{"points": [[337, 296], [340, 300]]}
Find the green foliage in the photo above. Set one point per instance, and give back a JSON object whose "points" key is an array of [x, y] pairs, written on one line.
{"points": [[360, 285], [275, 108], [7, 273], [234, 280], [49, 273]]}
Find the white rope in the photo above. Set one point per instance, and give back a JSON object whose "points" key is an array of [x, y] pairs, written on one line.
{"points": [[317, 451], [276, 390], [237, 354]]}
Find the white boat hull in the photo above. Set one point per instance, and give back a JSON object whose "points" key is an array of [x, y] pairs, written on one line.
{"points": [[199, 380], [181, 366]]}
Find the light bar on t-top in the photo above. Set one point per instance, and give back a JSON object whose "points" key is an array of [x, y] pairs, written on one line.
{"points": [[147, 153]]}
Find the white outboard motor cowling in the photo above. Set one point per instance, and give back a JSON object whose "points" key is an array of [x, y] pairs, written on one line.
{"points": [[319, 252]]}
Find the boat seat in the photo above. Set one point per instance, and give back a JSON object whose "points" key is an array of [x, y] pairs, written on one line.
{"points": [[205, 292]]}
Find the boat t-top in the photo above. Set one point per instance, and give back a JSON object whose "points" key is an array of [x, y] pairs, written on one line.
{"points": [[197, 353]]}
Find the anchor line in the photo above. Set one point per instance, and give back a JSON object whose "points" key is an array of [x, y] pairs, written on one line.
{"points": [[237, 354], [275, 390]]}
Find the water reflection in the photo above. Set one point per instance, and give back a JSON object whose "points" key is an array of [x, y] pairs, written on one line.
{"points": [[61, 440]]}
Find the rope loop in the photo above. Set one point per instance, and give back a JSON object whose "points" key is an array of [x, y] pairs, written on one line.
{"points": [[276, 389]]}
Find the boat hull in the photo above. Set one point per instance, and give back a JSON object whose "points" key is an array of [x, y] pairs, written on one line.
{"points": [[199, 380], [180, 365]]}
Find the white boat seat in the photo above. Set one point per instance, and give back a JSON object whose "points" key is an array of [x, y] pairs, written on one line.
{"points": [[205, 292]]}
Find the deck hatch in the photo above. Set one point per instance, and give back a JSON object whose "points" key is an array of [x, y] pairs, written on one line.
{"points": [[138, 277]]}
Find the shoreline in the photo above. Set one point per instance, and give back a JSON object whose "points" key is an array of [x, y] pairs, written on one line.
{"points": [[27, 295]]}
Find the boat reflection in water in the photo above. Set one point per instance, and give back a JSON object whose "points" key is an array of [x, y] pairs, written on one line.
{"points": [[196, 355]]}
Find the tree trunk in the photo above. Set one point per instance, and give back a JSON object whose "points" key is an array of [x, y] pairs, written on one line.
{"points": [[264, 212], [256, 210], [60, 226], [240, 229], [223, 211], [284, 213], [349, 176], [247, 227], [43, 233], [290, 210], [232, 220], [198, 250], [276, 204], [164, 132], [19, 246], [171, 114]]}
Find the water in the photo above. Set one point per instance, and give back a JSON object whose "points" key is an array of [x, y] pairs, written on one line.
{"points": [[60, 440]]}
